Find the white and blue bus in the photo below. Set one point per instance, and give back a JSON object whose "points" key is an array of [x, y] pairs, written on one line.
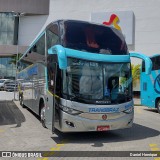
{"points": [[77, 77], [150, 84]]}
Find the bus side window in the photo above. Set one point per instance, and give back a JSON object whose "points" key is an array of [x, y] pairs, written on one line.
{"points": [[143, 66], [157, 63], [39, 48], [52, 36], [144, 86], [37, 51]]}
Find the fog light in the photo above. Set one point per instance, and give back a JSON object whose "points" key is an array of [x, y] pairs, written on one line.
{"points": [[70, 124]]}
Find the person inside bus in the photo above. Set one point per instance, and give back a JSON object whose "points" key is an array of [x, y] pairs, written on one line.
{"points": [[93, 41], [90, 38], [114, 89]]}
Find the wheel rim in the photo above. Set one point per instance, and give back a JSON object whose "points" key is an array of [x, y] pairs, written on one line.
{"points": [[43, 114], [21, 100]]}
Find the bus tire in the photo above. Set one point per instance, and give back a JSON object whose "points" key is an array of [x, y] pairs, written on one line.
{"points": [[42, 113], [158, 106]]}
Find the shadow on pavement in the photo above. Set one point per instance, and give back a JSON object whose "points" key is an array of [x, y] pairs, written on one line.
{"points": [[137, 132], [152, 110], [10, 114]]}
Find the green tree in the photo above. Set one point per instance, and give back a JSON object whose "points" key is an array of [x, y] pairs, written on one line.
{"points": [[135, 73]]}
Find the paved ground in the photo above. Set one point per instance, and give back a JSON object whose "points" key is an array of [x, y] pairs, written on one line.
{"points": [[137, 101], [8, 95], [10, 114], [21, 130]]}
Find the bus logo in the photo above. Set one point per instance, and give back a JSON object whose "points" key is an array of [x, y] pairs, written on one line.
{"points": [[114, 20], [157, 84], [104, 117]]}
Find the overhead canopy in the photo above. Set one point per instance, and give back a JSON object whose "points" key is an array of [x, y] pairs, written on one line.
{"points": [[25, 6]]}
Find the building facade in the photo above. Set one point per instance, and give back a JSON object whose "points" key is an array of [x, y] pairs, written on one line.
{"points": [[11, 13], [144, 22]]}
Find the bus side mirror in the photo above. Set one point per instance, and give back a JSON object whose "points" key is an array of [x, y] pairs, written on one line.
{"points": [[62, 57], [147, 60]]}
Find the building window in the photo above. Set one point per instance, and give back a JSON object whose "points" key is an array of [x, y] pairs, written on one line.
{"points": [[8, 29], [7, 67]]}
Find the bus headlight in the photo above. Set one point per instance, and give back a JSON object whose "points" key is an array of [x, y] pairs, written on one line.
{"points": [[70, 110], [128, 111]]}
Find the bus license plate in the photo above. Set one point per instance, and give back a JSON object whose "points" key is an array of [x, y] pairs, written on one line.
{"points": [[103, 128]]}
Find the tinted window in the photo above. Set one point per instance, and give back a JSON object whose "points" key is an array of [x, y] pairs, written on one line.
{"points": [[37, 52], [143, 66], [94, 38], [7, 67], [39, 47], [92, 81], [8, 28], [156, 63], [52, 36]]}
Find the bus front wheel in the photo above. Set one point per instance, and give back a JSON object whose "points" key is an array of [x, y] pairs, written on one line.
{"points": [[42, 114], [158, 106]]}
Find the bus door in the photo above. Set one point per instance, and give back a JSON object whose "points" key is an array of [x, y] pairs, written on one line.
{"points": [[146, 88], [51, 73]]}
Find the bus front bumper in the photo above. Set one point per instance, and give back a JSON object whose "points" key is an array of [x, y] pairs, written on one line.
{"points": [[72, 123]]}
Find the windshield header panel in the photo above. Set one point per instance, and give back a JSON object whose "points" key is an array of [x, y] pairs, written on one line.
{"points": [[93, 38]]}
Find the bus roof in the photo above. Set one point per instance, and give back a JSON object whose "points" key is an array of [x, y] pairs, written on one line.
{"points": [[75, 32], [155, 55]]}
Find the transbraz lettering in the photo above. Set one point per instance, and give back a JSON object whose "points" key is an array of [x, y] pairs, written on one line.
{"points": [[103, 109]]}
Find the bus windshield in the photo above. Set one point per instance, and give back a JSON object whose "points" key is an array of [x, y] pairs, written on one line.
{"points": [[94, 38], [96, 82]]}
